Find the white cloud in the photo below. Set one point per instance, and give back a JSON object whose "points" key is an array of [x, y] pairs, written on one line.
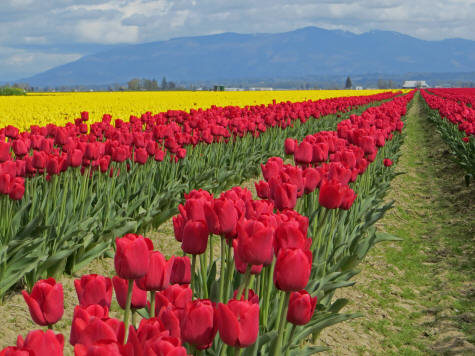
{"points": [[27, 23]]}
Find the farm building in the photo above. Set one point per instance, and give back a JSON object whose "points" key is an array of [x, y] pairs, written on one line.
{"points": [[412, 84]]}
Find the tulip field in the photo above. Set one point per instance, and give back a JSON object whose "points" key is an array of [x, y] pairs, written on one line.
{"points": [[90, 175]]}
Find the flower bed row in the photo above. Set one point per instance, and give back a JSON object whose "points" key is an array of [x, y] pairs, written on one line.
{"points": [[66, 220], [455, 122], [334, 194]]}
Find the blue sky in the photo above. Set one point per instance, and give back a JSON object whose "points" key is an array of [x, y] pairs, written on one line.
{"points": [[36, 35]]}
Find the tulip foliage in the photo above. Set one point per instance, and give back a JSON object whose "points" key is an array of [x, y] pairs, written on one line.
{"points": [[67, 191], [452, 111]]}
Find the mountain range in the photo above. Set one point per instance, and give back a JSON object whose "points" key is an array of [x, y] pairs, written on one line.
{"points": [[302, 53]]}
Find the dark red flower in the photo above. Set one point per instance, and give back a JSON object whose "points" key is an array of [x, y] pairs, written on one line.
{"points": [[238, 322], [292, 269], [94, 289], [46, 301], [131, 259], [198, 326], [301, 307]]}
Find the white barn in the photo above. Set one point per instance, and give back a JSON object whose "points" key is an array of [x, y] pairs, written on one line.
{"points": [[412, 84]]}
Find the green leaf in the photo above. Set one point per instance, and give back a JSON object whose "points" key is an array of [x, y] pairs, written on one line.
{"points": [[308, 350]]}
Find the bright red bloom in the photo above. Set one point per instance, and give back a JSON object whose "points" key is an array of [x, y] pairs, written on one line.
{"points": [[387, 162], [42, 343], [181, 270], [195, 237], [132, 259], [46, 301], [158, 275], [94, 289], [301, 307], [238, 322], [255, 242], [198, 327], [292, 269], [331, 194], [139, 296]]}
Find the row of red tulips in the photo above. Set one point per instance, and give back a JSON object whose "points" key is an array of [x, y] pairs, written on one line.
{"points": [[455, 120], [265, 241], [462, 95], [53, 149], [457, 113]]}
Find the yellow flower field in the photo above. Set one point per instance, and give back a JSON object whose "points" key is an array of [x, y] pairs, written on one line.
{"points": [[60, 108]]}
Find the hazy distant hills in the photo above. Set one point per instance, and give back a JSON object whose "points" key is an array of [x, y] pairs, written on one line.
{"points": [[301, 53]]}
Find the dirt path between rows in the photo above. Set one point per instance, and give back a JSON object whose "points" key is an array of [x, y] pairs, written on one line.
{"points": [[418, 295]]}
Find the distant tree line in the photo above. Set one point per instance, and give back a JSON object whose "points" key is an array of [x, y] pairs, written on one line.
{"points": [[386, 84], [151, 84], [12, 90]]}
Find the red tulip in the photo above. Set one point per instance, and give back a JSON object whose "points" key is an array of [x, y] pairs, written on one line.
{"points": [[99, 349], [15, 351], [240, 265], [331, 194], [20, 148], [181, 270], [303, 153], [150, 329], [311, 179], [348, 198], [292, 269], [141, 156], [195, 237], [4, 152], [39, 160], [12, 132], [94, 289], [170, 318], [289, 145], [132, 259], [238, 322], [42, 343], [46, 301], [289, 235], [255, 242], [284, 195], [262, 189], [139, 296], [158, 275], [91, 325], [75, 157], [301, 307], [17, 188], [387, 162], [221, 216], [272, 168], [198, 327], [165, 346], [5, 186]]}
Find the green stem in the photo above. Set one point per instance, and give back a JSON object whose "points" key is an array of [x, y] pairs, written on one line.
{"points": [[127, 309], [210, 252], [283, 314], [204, 276], [245, 283], [289, 341], [152, 303], [50, 326], [134, 317], [193, 267], [221, 274], [237, 351]]}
